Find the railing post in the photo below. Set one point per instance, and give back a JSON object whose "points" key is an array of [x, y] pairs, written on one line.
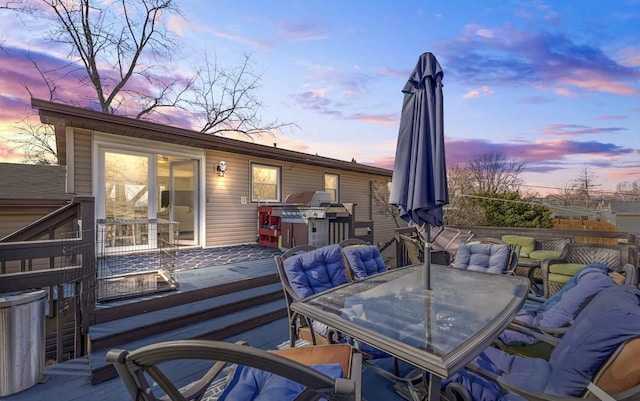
{"points": [[88, 283]]}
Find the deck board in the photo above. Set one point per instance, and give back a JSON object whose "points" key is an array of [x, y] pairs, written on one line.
{"points": [[109, 328], [70, 381], [63, 386]]}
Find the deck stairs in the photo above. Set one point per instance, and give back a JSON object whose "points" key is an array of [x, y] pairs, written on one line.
{"points": [[214, 310]]}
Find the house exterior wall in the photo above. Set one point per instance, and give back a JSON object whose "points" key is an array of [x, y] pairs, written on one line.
{"points": [[230, 222], [629, 223], [14, 217], [227, 214], [82, 161]]}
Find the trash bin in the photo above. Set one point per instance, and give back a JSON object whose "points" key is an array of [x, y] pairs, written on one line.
{"points": [[22, 339]]}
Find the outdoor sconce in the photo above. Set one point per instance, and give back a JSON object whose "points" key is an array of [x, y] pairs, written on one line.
{"points": [[221, 167]]}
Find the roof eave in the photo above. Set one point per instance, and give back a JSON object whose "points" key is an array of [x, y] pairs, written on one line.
{"points": [[56, 113]]}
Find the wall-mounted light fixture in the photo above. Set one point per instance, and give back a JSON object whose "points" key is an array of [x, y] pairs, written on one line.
{"points": [[221, 167]]}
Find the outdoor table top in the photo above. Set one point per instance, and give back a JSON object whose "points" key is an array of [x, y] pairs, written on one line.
{"points": [[439, 330]]}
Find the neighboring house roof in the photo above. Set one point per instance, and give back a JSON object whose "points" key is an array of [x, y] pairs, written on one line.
{"points": [[31, 181], [625, 207], [64, 115]]}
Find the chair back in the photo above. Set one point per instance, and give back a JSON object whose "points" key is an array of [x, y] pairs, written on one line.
{"points": [[158, 362], [412, 247], [351, 243], [587, 350], [362, 261], [449, 239], [514, 256], [485, 257], [621, 372], [304, 271], [555, 272]]}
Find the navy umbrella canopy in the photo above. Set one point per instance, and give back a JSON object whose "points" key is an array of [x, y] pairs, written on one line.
{"points": [[419, 183]]}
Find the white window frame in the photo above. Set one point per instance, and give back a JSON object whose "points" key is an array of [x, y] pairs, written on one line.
{"points": [[278, 183], [336, 189]]}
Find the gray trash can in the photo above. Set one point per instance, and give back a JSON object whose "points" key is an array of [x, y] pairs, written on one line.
{"points": [[22, 339]]}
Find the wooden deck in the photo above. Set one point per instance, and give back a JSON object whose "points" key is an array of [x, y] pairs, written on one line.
{"points": [[201, 288]]}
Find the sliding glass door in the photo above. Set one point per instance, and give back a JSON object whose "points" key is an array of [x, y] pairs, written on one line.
{"points": [[184, 210], [126, 200]]}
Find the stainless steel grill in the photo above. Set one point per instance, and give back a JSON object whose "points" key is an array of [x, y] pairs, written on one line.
{"points": [[299, 207], [305, 218]]}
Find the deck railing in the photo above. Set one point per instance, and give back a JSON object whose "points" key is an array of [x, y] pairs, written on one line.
{"points": [[630, 240], [57, 252]]}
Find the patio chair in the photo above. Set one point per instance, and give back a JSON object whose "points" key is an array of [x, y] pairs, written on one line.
{"points": [[361, 259], [412, 247], [556, 272], [589, 362], [304, 271], [414, 250], [331, 372], [487, 255], [554, 316]]}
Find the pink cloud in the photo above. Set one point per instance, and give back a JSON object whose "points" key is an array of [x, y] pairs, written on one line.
{"points": [[8, 154], [608, 118], [298, 31], [574, 130], [384, 119]]}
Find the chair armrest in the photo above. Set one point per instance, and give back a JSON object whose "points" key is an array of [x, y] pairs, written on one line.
{"points": [[631, 274], [538, 335], [551, 331], [507, 388]]}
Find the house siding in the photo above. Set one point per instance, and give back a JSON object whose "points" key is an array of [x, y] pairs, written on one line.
{"points": [[229, 222], [82, 161], [224, 219]]}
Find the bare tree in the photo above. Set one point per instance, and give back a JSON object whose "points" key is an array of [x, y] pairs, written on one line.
{"points": [[493, 173], [224, 100], [585, 185], [380, 191], [36, 141], [462, 210], [122, 46], [629, 191], [16, 5], [109, 39]]}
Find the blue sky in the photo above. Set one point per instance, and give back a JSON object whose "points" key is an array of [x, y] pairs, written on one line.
{"points": [[554, 84]]}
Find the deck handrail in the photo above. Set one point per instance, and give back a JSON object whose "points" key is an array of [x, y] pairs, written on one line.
{"points": [[29, 262]]}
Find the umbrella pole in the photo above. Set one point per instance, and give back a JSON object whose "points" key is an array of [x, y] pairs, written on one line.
{"points": [[427, 256]]}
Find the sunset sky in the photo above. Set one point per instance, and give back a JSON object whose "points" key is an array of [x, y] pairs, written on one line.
{"points": [[554, 84]]}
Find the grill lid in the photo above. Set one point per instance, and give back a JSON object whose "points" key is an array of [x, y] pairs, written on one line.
{"points": [[309, 198]]}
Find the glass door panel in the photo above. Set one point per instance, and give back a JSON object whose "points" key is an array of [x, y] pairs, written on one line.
{"points": [[126, 195], [183, 200]]}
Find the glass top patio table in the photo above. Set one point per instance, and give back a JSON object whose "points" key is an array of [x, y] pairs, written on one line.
{"points": [[440, 330]]}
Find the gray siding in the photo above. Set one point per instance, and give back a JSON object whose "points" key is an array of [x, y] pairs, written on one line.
{"points": [[229, 222], [82, 167]]}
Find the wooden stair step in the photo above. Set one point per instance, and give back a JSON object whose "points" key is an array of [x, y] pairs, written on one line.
{"points": [[218, 328], [127, 329]]}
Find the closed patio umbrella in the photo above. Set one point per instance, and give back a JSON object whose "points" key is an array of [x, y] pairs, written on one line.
{"points": [[419, 183]]}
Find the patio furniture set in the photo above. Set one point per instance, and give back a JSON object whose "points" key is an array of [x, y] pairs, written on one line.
{"points": [[453, 340]]}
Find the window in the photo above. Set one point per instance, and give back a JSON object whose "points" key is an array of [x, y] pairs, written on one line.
{"points": [[265, 183], [332, 185]]}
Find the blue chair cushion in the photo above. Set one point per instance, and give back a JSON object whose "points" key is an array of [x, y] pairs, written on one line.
{"points": [[489, 258], [316, 271], [364, 260], [249, 384], [563, 306], [578, 357], [611, 318]]}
